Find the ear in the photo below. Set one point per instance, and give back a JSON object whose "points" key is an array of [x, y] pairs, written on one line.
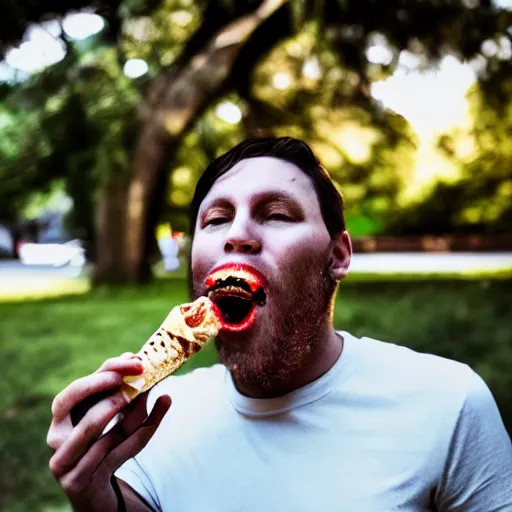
{"points": [[341, 256]]}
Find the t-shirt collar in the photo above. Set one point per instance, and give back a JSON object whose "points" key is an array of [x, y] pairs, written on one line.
{"points": [[309, 393]]}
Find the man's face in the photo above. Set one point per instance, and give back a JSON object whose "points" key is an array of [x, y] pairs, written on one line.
{"points": [[264, 212]]}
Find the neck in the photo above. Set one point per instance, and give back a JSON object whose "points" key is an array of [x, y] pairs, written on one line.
{"points": [[330, 347]]}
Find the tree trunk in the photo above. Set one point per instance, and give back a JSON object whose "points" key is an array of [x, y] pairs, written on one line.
{"points": [[110, 229], [185, 96]]}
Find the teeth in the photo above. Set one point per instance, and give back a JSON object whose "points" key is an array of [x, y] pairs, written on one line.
{"points": [[231, 290], [236, 279], [234, 275], [233, 282], [237, 283]]}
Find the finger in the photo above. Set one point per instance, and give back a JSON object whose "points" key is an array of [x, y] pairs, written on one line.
{"points": [[126, 360], [140, 438], [87, 386], [132, 415], [82, 473], [80, 410], [61, 426], [58, 433], [88, 430], [81, 389], [135, 413]]}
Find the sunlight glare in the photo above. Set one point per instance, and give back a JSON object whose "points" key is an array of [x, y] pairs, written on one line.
{"points": [[311, 68], [489, 48], [134, 68], [36, 53], [379, 51], [281, 81], [82, 25], [431, 101], [181, 18], [503, 4], [228, 112]]}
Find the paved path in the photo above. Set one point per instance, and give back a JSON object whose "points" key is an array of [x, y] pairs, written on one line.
{"points": [[13, 269], [431, 262], [18, 279], [14, 276]]}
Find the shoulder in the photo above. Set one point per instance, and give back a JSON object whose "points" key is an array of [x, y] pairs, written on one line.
{"points": [[419, 394], [400, 371], [479, 405]]}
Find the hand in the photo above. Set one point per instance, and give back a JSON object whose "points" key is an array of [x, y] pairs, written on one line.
{"points": [[84, 460]]}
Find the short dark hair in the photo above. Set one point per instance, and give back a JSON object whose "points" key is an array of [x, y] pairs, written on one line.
{"points": [[292, 150]]}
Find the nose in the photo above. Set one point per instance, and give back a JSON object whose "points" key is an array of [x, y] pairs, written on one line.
{"points": [[240, 237], [242, 245]]}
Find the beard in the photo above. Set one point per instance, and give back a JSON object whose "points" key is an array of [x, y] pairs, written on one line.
{"points": [[289, 333]]}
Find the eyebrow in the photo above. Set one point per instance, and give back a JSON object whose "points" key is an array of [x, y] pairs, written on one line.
{"points": [[278, 196], [258, 199], [220, 202]]}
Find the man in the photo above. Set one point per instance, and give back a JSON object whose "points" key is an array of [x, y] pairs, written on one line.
{"points": [[299, 416]]}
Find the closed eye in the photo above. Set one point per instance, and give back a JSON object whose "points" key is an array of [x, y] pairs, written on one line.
{"points": [[216, 221], [280, 217]]}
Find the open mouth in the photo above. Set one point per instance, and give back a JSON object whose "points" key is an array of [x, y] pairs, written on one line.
{"points": [[237, 290]]}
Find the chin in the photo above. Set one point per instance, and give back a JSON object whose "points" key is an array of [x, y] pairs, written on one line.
{"points": [[245, 339], [246, 351], [271, 333]]}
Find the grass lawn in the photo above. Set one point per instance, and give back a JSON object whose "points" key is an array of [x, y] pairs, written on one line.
{"points": [[47, 343]]}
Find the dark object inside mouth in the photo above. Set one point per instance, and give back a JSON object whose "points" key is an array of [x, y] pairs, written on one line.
{"points": [[234, 298], [259, 297], [234, 309]]}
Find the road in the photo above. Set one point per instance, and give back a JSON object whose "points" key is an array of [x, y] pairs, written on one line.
{"points": [[13, 269], [430, 262], [16, 276], [18, 279]]}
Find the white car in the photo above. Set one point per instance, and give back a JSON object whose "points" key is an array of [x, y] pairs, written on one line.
{"points": [[57, 254]]}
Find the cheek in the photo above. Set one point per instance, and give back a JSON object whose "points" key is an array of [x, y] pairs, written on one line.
{"points": [[202, 258], [300, 248]]}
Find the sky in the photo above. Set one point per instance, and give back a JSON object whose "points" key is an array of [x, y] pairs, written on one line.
{"points": [[432, 101]]}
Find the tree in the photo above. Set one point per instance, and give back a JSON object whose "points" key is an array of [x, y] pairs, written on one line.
{"points": [[223, 53]]}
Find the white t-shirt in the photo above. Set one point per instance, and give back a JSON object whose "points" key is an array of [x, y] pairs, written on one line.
{"points": [[385, 429]]}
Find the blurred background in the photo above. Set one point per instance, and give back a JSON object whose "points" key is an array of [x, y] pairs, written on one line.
{"points": [[111, 110]]}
